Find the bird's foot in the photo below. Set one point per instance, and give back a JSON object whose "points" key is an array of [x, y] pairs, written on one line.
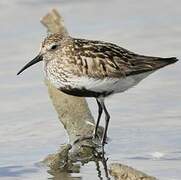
{"points": [[104, 141], [94, 140], [96, 145], [100, 154]]}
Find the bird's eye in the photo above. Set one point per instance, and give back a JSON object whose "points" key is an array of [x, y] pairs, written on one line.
{"points": [[54, 47]]}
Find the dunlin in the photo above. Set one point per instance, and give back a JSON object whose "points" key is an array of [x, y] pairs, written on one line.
{"points": [[96, 69]]}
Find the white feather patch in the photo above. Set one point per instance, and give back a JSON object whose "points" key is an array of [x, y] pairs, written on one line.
{"points": [[107, 84]]}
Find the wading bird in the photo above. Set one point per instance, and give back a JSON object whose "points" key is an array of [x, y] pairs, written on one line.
{"points": [[96, 69]]}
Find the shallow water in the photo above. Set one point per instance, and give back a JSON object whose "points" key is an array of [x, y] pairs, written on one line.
{"points": [[145, 129]]}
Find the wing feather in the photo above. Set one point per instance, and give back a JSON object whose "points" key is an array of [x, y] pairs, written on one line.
{"points": [[100, 59]]}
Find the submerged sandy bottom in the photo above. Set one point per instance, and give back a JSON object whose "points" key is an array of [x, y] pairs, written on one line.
{"points": [[146, 121]]}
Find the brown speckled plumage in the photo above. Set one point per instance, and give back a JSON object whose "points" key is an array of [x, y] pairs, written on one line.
{"points": [[97, 59], [97, 69]]}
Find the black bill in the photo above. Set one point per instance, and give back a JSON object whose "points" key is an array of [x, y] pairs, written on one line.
{"points": [[34, 61]]}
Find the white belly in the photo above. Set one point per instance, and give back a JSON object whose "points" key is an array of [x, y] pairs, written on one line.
{"points": [[114, 85]]}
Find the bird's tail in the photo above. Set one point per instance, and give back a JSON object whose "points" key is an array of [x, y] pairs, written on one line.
{"points": [[147, 63], [161, 62]]}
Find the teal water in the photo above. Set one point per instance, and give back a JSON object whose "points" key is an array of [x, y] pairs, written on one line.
{"points": [[145, 129]]}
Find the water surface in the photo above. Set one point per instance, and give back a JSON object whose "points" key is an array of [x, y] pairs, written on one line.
{"points": [[145, 128]]}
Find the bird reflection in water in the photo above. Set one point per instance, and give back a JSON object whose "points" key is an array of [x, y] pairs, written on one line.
{"points": [[72, 173]]}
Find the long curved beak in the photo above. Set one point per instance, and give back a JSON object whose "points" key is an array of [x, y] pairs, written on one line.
{"points": [[34, 61]]}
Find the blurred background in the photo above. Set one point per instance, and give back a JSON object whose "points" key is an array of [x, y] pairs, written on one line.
{"points": [[145, 129]]}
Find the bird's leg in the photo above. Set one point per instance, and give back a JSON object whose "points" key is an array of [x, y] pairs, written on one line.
{"points": [[98, 119], [95, 135], [107, 117]]}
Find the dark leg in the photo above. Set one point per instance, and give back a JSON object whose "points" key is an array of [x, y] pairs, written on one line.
{"points": [[107, 117], [99, 117]]}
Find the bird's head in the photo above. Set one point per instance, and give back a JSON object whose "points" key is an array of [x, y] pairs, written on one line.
{"points": [[49, 48]]}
